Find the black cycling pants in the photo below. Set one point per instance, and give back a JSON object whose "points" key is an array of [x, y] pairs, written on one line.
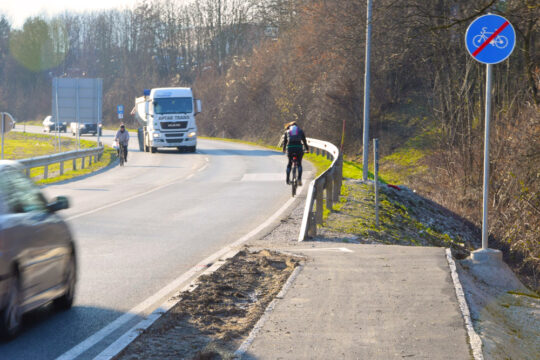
{"points": [[291, 153]]}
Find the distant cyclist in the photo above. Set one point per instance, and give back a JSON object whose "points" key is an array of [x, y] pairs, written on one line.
{"points": [[122, 139], [294, 141]]}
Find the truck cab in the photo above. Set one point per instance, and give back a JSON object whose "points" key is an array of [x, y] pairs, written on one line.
{"points": [[167, 116]]}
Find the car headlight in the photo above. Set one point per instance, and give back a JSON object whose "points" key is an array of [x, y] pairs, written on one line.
{"points": [[156, 134], [192, 134], [82, 126]]}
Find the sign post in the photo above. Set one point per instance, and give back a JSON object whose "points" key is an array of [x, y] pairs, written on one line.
{"points": [[6, 126], [120, 111], [367, 77], [490, 39]]}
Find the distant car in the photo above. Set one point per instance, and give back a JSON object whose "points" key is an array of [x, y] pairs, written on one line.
{"points": [[37, 251], [50, 126]]}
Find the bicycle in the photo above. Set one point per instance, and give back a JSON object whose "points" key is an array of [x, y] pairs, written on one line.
{"points": [[500, 41], [294, 171], [120, 149]]}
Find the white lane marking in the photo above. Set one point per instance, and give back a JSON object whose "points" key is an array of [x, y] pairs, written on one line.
{"points": [[340, 249], [126, 339], [259, 325], [132, 197], [203, 168], [263, 177], [88, 343]]}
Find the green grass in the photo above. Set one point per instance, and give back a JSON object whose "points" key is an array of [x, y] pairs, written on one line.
{"points": [[25, 145], [408, 160], [400, 218], [108, 157]]}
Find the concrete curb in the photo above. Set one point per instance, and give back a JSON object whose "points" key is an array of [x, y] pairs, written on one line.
{"points": [[269, 309], [116, 347], [474, 340]]}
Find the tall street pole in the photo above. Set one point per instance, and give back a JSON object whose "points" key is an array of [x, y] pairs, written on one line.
{"points": [[485, 228], [366, 94]]}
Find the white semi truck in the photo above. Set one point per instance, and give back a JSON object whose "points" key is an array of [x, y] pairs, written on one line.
{"points": [[167, 119]]}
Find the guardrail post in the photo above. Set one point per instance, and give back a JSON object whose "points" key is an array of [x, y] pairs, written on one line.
{"points": [[46, 171], [319, 203], [82, 162], [74, 164], [312, 225], [28, 172], [90, 161], [330, 191], [61, 168]]}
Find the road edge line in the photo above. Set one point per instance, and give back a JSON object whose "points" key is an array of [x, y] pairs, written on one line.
{"points": [[475, 342], [243, 348], [123, 342], [101, 334]]}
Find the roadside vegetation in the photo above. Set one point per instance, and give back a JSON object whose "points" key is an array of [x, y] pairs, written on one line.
{"points": [[24, 145], [260, 64]]}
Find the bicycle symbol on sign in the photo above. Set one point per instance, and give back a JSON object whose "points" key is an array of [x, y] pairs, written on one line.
{"points": [[500, 41]]}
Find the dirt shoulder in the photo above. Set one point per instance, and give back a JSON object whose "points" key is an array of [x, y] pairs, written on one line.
{"points": [[211, 321]]}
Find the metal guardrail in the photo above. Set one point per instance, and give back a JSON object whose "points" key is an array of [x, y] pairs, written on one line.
{"points": [[328, 183], [45, 161]]}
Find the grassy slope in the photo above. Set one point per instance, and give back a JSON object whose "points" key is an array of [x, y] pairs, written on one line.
{"points": [[25, 145]]}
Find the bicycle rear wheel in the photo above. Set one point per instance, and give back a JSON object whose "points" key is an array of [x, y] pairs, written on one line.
{"points": [[294, 182], [121, 155]]}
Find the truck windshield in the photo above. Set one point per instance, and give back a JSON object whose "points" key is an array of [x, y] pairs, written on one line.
{"points": [[173, 105]]}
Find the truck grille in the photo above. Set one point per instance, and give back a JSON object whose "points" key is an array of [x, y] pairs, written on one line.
{"points": [[169, 141], [167, 135], [174, 124]]}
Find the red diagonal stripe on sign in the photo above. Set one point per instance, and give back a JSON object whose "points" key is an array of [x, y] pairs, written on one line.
{"points": [[497, 32]]}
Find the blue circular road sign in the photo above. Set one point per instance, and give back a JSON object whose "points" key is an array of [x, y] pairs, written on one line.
{"points": [[490, 39]]}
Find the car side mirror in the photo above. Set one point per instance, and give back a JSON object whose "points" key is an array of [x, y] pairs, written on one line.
{"points": [[60, 203]]}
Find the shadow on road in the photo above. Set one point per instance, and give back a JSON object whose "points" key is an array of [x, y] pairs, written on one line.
{"points": [[48, 333], [237, 152]]}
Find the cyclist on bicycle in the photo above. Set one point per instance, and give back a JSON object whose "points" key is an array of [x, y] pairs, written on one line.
{"points": [[292, 141], [122, 139]]}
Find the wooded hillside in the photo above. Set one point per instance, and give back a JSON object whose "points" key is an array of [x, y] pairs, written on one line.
{"points": [[259, 64]]}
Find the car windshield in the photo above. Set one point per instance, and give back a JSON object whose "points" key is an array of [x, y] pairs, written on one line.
{"points": [[173, 105]]}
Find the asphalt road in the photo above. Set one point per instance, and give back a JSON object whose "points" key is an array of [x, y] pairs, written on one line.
{"points": [[141, 226]]}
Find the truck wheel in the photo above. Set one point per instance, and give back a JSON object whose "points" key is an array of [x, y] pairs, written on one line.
{"points": [[153, 149], [193, 149]]}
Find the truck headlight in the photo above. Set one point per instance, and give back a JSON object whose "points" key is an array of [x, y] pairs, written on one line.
{"points": [[156, 135], [82, 126], [192, 134]]}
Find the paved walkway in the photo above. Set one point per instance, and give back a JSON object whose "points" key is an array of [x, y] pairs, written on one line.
{"points": [[366, 302]]}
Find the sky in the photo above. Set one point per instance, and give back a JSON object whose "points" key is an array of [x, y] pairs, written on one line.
{"points": [[17, 11]]}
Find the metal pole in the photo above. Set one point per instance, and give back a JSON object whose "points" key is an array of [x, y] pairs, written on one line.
{"points": [[485, 228], [99, 120], [77, 114], [58, 119], [366, 93], [3, 121], [376, 178]]}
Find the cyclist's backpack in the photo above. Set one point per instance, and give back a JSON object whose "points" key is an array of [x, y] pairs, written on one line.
{"points": [[295, 135]]}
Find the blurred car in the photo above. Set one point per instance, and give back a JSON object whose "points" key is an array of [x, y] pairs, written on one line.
{"points": [[37, 250], [49, 125]]}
